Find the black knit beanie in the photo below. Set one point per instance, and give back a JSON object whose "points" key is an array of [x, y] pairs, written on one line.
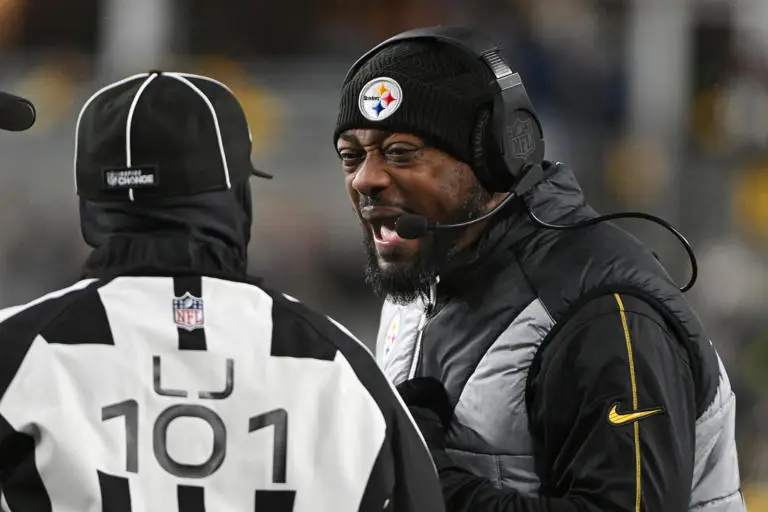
{"points": [[425, 88]]}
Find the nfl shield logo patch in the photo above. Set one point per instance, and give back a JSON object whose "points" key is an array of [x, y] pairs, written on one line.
{"points": [[521, 138], [188, 312]]}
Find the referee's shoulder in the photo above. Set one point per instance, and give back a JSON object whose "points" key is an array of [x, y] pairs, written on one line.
{"points": [[37, 312], [300, 328], [21, 325], [295, 321]]}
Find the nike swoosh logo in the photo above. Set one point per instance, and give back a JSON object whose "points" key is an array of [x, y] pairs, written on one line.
{"points": [[617, 418]]}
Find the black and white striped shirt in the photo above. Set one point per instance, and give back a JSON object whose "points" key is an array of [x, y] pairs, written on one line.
{"points": [[198, 394]]}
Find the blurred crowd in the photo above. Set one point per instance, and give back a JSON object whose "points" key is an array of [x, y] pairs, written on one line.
{"points": [[659, 106]]}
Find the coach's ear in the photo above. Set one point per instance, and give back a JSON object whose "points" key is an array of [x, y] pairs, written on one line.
{"points": [[427, 393]]}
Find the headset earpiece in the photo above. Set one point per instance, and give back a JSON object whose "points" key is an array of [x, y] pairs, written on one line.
{"points": [[487, 163], [479, 165], [507, 142]]}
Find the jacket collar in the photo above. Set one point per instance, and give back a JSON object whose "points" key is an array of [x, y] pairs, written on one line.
{"points": [[204, 234], [163, 256], [555, 198]]}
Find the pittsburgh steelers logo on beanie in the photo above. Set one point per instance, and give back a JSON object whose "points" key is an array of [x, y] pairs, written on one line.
{"points": [[380, 98], [426, 88]]}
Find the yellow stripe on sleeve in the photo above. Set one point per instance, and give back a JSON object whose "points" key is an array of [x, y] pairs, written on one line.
{"points": [[636, 425]]}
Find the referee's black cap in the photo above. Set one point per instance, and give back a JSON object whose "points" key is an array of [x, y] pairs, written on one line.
{"points": [[16, 114], [159, 135]]}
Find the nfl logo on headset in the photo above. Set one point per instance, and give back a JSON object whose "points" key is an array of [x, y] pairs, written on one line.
{"points": [[521, 137], [188, 312]]}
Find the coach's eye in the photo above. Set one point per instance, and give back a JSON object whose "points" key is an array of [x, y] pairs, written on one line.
{"points": [[350, 156], [401, 152]]}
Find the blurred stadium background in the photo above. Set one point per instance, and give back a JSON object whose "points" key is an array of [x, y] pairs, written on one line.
{"points": [[660, 105]]}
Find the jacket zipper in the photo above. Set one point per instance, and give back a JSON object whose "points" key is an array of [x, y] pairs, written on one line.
{"points": [[425, 318]]}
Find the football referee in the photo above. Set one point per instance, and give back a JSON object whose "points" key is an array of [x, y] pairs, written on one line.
{"points": [[167, 379]]}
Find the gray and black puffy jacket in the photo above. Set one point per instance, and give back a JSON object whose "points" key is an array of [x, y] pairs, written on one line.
{"points": [[580, 377]]}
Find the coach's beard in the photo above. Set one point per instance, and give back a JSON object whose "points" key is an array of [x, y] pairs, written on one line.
{"points": [[404, 282]]}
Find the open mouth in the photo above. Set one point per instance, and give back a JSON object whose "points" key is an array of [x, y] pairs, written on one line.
{"points": [[384, 230], [382, 222]]}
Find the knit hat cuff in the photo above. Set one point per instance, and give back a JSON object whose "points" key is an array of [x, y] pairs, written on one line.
{"points": [[397, 103]]}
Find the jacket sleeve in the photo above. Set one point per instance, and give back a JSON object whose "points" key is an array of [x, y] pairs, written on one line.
{"points": [[612, 414]]}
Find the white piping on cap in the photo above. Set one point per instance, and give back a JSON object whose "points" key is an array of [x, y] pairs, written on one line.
{"points": [[129, 124], [220, 84], [87, 104], [181, 78]]}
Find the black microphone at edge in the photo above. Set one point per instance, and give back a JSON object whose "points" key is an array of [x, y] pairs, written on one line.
{"points": [[16, 114]]}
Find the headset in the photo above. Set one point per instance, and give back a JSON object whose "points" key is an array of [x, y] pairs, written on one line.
{"points": [[507, 141]]}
